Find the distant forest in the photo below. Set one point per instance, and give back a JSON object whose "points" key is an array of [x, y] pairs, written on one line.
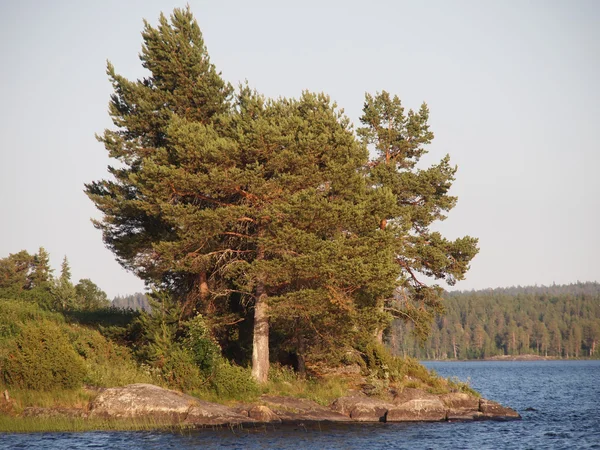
{"points": [[554, 321], [137, 301]]}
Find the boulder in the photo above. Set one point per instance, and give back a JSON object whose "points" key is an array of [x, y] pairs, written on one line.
{"points": [[262, 413], [147, 400], [408, 394], [417, 411], [461, 406], [416, 405], [362, 408], [494, 410], [299, 409]]}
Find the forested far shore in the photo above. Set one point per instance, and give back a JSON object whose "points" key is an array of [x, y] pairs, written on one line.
{"points": [[558, 321], [137, 302]]}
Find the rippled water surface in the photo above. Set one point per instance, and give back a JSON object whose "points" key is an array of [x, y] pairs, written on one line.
{"points": [[559, 402]]}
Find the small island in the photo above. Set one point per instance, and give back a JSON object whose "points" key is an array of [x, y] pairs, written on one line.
{"points": [[279, 244]]}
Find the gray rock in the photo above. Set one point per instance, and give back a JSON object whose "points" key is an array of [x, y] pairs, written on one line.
{"points": [[418, 410], [494, 410], [147, 400], [461, 406], [362, 408], [299, 409], [263, 414]]}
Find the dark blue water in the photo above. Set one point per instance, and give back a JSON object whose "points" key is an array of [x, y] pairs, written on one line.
{"points": [[564, 394]]}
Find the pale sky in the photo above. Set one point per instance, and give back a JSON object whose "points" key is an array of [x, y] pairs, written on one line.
{"points": [[513, 89]]}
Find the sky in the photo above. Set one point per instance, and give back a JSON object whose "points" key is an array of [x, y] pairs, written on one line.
{"points": [[512, 86]]}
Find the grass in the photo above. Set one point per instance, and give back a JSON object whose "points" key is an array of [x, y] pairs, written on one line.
{"points": [[283, 381], [23, 398], [11, 424]]}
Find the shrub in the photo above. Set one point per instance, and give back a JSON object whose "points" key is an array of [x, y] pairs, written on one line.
{"points": [[230, 381], [205, 352], [108, 363], [178, 370], [16, 312], [41, 358]]}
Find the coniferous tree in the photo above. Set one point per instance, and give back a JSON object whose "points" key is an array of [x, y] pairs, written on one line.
{"points": [[241, 205], [41, 274], [15, 272], [63, 290], [182, 82], [422, 197]]}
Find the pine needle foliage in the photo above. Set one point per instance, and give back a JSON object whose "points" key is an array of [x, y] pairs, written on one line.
{"points": [[241, 206]]}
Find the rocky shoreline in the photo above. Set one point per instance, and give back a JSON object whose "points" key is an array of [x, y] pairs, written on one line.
{"points": [[146, 401]]}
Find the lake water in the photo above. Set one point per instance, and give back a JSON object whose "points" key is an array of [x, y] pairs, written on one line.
{"points": [[559, 402]]}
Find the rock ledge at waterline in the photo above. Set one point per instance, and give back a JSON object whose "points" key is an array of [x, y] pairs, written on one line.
{"points": [[164, 405]]}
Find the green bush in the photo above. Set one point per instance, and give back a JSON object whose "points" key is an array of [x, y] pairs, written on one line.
{"points": [[107, 363], [178, 370], [230, 381], [16, 312], [205, 352], [42, 358]]}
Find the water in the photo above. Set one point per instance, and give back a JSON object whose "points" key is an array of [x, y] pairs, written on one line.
{"points": [[564, 396]]}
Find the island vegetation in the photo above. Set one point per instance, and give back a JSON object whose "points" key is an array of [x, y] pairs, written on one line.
{"points": [[277, 250]]}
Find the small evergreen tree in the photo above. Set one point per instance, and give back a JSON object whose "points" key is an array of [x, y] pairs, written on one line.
{"points": [[63, 291], [41, 274]]}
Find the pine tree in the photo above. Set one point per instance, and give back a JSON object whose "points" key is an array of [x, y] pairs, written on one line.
{"points": [[183, 82], [422, 197], [239, 205], [42, 272], [63, 290], [15, 272]]}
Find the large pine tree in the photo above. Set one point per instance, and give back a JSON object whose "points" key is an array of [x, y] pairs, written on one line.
{"points": [[271, 205]]}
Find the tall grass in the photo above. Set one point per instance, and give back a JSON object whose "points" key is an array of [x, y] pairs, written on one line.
{"points": [[285, 382], [9, 424]]}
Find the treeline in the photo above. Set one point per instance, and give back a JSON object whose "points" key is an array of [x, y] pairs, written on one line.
{"points": [[137, 302], [554, 321], [30, 277]]}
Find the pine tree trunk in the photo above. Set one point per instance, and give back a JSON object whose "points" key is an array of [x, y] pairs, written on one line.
{"points": [[203, 286], [301, 345], [379, 331], [260, 341], [379, 336]]}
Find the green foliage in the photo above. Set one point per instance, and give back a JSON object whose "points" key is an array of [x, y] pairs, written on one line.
{"points": [[114, 324], [177, 369], [63, 291], [42, 358], [107, 363], [15, 271], [205, 352], [284, 381], [89, 296], [28, 331], [230, 199], [15, 313], [137, 301], [29, 277], [232, 382]]}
